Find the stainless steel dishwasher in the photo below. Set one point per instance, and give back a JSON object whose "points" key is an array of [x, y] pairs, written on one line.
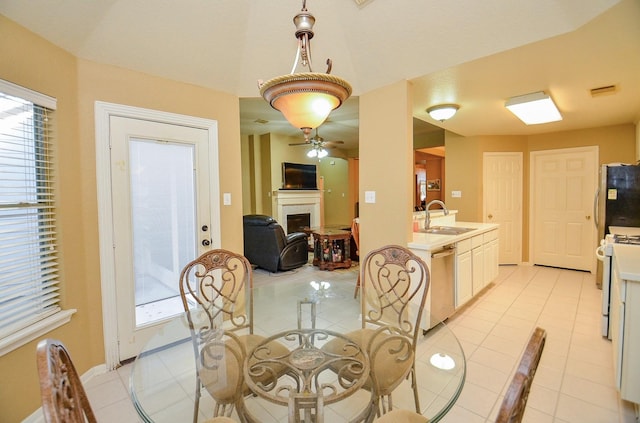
{"points": [[442, 284]]}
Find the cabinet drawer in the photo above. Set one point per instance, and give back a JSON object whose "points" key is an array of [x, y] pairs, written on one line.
{"points": [[464, 245], [490, 236], [477, 241]]}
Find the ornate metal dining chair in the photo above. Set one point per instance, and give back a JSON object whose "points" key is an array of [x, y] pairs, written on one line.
{"points": [[217, 293], [395, 283], [221, 364], [64, 399]]}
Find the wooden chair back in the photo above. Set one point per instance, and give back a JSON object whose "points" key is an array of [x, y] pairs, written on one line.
{"points": [[64, 399], [515, 400]]}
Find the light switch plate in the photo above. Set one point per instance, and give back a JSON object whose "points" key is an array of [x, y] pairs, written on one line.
{"points": [[226, 199], [456, 194], [369, 196]]}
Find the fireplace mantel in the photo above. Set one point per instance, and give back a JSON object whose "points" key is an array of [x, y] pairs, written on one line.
{"points": [[287, 202]]}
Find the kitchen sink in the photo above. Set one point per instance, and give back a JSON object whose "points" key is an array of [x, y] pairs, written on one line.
{"points": [[446, 230]]}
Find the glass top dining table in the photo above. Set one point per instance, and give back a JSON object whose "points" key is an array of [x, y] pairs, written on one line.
{"points": [[163, 375]]}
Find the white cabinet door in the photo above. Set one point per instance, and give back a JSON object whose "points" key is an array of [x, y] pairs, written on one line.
{"points": [[464, 277], [491, 252], [477, 269]]}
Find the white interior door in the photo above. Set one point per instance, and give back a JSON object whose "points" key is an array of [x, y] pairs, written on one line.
{"points": [[162, 219], [502, 202], [562, 185]]}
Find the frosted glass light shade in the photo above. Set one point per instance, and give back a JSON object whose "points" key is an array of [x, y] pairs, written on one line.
{"points": [[533, 109], [306, 99], [443, 112]]}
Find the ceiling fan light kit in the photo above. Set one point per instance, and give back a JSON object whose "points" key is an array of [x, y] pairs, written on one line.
{"points": [[534, 108], [305, 99], [318, 152], [443, 112]]}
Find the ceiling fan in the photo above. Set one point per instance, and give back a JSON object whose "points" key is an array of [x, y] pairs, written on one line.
{"points": [[318, 142]]}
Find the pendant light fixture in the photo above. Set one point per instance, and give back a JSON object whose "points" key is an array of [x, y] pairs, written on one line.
{"points": [[305, 99]]}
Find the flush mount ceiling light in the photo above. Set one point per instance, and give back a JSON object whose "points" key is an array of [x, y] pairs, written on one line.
{"points": [[305, 99], [443, 112], [534, 108]]}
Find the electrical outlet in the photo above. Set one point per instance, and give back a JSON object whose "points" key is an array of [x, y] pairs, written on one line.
{"points": [[456, 194], [226, 199]]}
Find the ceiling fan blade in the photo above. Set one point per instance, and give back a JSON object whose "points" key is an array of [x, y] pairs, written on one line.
{"points": [[333, 142], [301, 143]]}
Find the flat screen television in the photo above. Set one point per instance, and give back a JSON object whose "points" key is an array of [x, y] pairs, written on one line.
{"points": [[299, 176]]}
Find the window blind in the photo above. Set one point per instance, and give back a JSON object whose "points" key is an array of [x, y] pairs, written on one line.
{"points": [[29, 290]]}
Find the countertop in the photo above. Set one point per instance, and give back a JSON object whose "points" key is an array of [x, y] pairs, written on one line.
{"points": [[627, 261], [431, 242]]}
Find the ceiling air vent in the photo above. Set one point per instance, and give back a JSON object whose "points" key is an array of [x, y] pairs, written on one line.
{"points": [[609, 89], [361, 3], [262, 121]]}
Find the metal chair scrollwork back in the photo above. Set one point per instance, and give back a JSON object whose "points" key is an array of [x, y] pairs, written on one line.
{"points": [[217, 293], [395, 283]]}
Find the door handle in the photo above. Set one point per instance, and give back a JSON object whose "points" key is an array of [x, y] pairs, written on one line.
{"points": [[490, 216]]}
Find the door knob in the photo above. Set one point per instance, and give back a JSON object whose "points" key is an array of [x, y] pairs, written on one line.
{"points": [[206, 242], [490, 216], [588, 217]]}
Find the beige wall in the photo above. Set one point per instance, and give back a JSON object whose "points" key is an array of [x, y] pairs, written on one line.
{"points": [[386, 166], [335, 172], [464, 162], [29, 61], [267, 174]]}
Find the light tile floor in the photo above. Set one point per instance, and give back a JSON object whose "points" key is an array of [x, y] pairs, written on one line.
{"points": [[574, 382]]}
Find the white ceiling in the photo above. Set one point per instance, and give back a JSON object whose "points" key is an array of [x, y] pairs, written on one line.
{"points": [[473, 53]]}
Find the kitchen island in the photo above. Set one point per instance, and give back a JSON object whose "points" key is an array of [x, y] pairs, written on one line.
{"points": [[474, 265]]}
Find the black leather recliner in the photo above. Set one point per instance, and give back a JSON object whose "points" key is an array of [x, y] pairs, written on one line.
{"points": [[267, 246]]}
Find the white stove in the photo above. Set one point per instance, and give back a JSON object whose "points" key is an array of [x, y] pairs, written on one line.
{"points": [[619, 235]]}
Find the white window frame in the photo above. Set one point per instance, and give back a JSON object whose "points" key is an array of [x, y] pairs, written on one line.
{"points": [[58, 317]]}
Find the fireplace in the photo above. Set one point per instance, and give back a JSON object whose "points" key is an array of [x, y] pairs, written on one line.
{"points": [[296, 222], [297, 202]]}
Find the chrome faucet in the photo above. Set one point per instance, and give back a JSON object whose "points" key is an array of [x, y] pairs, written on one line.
{"points": [[427, 220]]}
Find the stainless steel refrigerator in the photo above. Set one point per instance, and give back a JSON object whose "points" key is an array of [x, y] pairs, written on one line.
{"points": [[617, 201]]}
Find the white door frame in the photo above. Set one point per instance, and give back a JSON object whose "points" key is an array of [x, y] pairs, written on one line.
{"points": [[594, 150], [103, 113]]}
